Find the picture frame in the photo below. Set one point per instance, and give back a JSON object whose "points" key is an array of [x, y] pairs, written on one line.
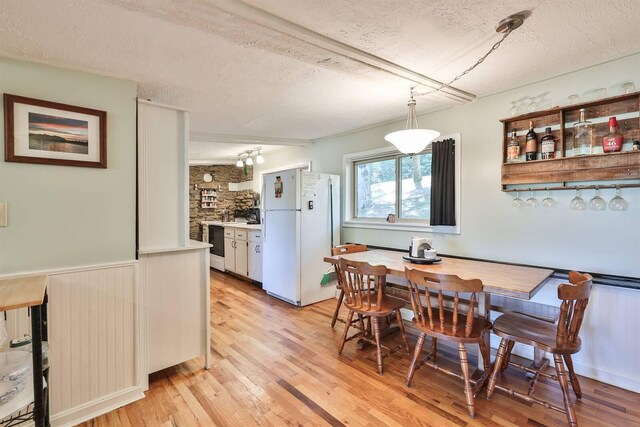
{"points": [[52, 133]]}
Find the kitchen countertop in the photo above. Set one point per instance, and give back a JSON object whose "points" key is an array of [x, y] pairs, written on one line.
{"points": [[234, 225]]}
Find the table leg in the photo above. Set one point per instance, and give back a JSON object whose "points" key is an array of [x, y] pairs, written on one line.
{"points": [[38, 386], [484, 310]]}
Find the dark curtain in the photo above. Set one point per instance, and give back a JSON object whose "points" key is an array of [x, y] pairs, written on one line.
{"points": [[443, 197]]}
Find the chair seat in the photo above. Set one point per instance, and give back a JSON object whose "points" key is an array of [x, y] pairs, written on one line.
{"points": [[480, 325], [531, 331], [388, 305]]}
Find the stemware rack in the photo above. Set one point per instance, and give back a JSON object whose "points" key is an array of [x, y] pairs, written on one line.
{"points": [[564, 171]]}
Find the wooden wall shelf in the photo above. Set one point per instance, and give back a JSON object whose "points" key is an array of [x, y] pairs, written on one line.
{"points": [[624, 165]]}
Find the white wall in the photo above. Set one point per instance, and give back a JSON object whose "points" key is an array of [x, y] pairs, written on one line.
{"points": [[77, 225], [602, 242], [62, 216]]}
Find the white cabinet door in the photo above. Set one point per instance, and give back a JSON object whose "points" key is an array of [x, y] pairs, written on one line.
{"points": [[242, 264], [229, 254], [255, 261]]}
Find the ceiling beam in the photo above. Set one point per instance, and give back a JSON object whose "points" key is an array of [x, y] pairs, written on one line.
{"points": [[246, 139], [281, 25]]}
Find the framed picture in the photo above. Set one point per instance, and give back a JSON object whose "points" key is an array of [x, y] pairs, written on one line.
{"points": [[51, 133]]}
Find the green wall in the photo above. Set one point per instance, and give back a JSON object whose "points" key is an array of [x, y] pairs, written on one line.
{"points": [[61, 216]]}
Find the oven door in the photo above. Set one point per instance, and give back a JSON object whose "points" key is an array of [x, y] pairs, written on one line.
{"points": [[216, 238]]}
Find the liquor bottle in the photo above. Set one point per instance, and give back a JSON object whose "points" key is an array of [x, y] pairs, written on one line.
{"points": [[582, 136], [513, 148], [613, 140], [548, 145], [531, 147]]}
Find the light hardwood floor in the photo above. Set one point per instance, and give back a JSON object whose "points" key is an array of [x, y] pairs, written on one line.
{"points": [[275, 364]]}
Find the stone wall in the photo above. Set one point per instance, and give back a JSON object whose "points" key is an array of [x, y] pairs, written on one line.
{"points": [[232, 200]]}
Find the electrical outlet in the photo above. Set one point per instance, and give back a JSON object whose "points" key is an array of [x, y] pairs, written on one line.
{"points": [[3, 214]]}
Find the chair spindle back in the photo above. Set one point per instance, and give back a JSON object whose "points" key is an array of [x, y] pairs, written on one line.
{"points": [[575, 297], [357, 280], [349, 248], [439, 283]]}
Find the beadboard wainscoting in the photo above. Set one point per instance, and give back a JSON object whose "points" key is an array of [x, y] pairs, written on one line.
{"points": [[93, 314], [177, 295]]}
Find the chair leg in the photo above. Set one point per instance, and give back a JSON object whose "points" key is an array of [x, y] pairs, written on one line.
{"points": [[346, 331], [416, 355], [376, 332], [486, 355], [572, 376], [496, 367], [434, 349], [404, 335], [507, 356], [335, 313], [564, 385], [468, 390]]}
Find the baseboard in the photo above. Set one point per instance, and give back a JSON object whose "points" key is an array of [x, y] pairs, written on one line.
{"points": [[607, 377], [621, 380], [89, 410]]}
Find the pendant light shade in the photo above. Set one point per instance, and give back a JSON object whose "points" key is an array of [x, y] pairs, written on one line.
{"points": [[249, 161], [239, 163], [412, 140], [259, 158]]}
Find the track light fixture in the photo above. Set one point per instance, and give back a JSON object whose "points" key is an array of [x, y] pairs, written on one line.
{"points": [[246, 158]]}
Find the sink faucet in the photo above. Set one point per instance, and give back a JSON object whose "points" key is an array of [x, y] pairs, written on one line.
{"points": [[225, 215]]}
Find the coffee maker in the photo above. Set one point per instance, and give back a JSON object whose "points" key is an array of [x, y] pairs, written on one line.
{"points": [[418, 246]]}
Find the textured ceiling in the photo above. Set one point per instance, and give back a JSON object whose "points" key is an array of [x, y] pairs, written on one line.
{"points": [[262, 67]]}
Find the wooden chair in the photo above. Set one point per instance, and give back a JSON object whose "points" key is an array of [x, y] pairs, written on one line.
{"points": [[367, 300], [448, 325], [561, 340], [343, 250]]}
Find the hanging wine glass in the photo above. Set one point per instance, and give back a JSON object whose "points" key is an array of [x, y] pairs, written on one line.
{"points": [[618, 203], [533, 104], [574, 99], [628, 87], [548, 201], [597, 203], [578, 203], [517, 202], [513, 111], [532, 202]]}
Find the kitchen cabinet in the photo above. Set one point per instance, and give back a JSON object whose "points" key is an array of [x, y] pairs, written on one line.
{"points": [[255, 256], [566, 168], [235, 251]]}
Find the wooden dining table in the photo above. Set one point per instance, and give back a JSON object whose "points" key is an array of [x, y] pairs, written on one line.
{"points": [[507, 280]]}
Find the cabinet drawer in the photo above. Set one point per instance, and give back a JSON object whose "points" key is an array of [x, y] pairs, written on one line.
{"points": [[255, 236], [229, 232], [241, 234]]}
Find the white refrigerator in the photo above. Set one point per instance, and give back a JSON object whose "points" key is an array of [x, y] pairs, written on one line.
{"points": [[301, 223]]}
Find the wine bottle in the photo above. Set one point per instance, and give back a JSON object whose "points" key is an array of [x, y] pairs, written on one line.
{"points": [[613, 140], [582, 134], [548, 145], [531, 147], [513, 148]]}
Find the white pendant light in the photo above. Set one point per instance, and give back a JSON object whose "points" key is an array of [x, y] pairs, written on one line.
{"points": [[249, 161], [259, 158], [239, 162], [412, 140]]}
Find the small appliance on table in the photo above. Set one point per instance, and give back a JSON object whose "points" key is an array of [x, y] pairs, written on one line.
{"points": [[421, 252]]}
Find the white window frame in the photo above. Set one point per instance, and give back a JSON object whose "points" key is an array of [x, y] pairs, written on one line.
{"points": [[350, 221]]}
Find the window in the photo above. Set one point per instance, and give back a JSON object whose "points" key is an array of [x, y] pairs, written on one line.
{"points": [[399, 185], [383, 181]]}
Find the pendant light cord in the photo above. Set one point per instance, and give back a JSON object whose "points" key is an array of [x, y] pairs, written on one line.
{"points": [[509, 30]]}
